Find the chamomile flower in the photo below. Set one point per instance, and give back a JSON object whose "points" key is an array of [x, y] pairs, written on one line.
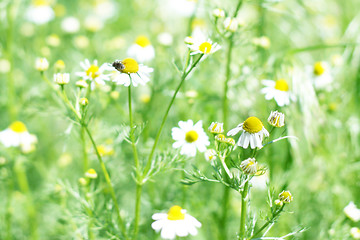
{"points": [[355, 232], [352, 212], [276, 119], [94, 73], [175, 223], [249, 166], [278, 90], [142, 50], [130, 72], [320, 75], [41, 64], [210, 154], [17, 135], [204, 47], [253, 132], [190, 137], [40, 12], [285, 197]]}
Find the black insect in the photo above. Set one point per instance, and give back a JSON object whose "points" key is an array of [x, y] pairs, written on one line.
{"points": [[118, 65]]}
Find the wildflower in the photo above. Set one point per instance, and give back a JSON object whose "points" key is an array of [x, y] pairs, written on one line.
{"points": [[216, 128], [218, 13], [105, 150], [278, 203], [285, 197], [130, 72], [210, 154], [230, 141], [355, 232], [81, 84], [253, 132], [175, 223], [278, 90], [84, 101], [276, 119], [220, 138], [62, 78], [263, 42], [189, 138], [41, 64], [231, 24], [59, 65], [352, 212], [204, 47], [320, 74], [93, 72], [17, 135], [70, 25], [142, 50], [40, 12], [249, 166], [189, 40], [91, 173]]}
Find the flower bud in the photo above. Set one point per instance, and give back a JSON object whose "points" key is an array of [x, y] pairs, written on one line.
{"points": [[276, 119], [285, 196], [218, 13], [81, 84], [216, 128], [189, 40], [210, 154], [249, 166], [62, 78], [231, 24], [59, 65], [41, 64], [91, 173], [84, 101]]}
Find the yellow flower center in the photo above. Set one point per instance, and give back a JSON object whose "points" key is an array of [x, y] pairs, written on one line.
{"points": [[38, 3], [318, 69], [191, 136], [130, 65], [93, 71], [18, 127], [142, 41], [281, 85], [205, 47], [252, 125], [175, 213], [91, 171]]}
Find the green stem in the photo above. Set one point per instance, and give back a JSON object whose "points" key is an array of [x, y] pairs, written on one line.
{"points": [[183, 77], [90, 214], [268, 222], [24, 186], [108, 181], [8, 215], [85, 156], [9, 54], [225, 206], [137, 167], [244, 203]]}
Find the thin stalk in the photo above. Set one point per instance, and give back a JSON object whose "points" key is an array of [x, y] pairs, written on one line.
{"points": [[226, 196], [9, 53], [24, 186], [8, 214], [244, 202], [91, 215], [85, 156], [268, 222], [137, 167], [108, 181], [183, 77]]}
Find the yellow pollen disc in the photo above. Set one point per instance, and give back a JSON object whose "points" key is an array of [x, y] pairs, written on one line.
{"points": [[93, 71], [281, 85], [131, 66], [40, 3], [205, 47], [18, 127], [191, 136], [175, 213], [252, 125], [91, 171], [318, 69], [142, 41]]}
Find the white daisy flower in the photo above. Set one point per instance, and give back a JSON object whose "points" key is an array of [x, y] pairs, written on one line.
{"points": [[130, 72], [278, 90], [253, 132], [175, 223], [249, 166], [352, 212], [203, 47], [17, 135], [210, 154], [94, 73], [41, 64], [40, 12], [321, 75], [276, 119], [190, 137], [142, 50], [62, 78], [355, 232]]}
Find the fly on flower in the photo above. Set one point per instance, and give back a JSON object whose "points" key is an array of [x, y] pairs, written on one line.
{"points": [[130, 72]]}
